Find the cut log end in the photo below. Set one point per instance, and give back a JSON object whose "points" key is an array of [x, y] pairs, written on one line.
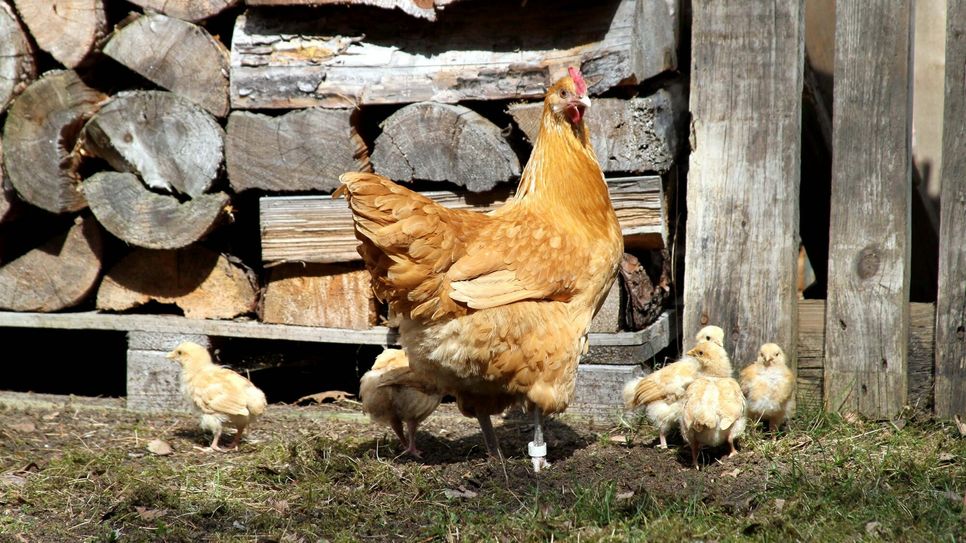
{"points": [[67, 29], [187, 10], [320, 295], [17, 65]]}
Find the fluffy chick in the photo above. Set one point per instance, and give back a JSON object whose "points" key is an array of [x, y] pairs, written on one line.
{"points": [[219, 393], [714, 407], [768, 385], [662, 392], [391, 394]]}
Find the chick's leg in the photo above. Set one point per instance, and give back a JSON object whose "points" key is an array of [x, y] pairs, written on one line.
{"points": [[214, 441], [694, 453], [411, 430], [663, 444], [489, 436], [538, 448], [236, 441]]}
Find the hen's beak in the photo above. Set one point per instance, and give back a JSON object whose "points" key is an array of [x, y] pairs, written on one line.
{"points": [[575, 108]]}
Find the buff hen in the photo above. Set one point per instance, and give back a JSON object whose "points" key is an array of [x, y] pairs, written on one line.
{"points": [[768, 386], [714, 407]]}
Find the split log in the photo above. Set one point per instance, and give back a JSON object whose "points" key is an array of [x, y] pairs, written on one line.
{"points": [[203, 283], [320, 295], [58, 274], [484, 51], [17, 65], [187, 10], [299, 151], [179, 56], [319, 228], [630, 136], [171, 143], [67, 29], [40, 132], [645, 298], [423, 9], [443, 142], [9, 203], [143, 218]]}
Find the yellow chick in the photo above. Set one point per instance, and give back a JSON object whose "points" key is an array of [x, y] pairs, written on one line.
{"points": [[714, 407], [391, 394], [219, 393], [662, 392], [768, 385]]}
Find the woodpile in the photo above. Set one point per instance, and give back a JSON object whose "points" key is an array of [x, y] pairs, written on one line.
{"points": [[196, 144]]}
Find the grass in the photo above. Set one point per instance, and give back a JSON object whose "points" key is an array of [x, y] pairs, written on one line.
{"points": [[827, 479]]}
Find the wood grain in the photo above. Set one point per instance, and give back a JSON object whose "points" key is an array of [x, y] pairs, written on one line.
{"points": [[17, 65], [188, 10], [67, 29], [323, 295]]}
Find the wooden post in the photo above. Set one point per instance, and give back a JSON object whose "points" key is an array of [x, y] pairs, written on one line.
{"points": [[742, 195], [867, 319], [951, 302]]}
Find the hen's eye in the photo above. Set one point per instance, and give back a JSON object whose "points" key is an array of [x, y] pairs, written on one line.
{"points": [[564, 93]]}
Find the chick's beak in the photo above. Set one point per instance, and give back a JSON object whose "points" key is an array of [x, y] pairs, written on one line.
{"points": [[691, 352], [169, 356]]}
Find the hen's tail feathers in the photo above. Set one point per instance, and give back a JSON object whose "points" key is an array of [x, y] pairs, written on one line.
{"points": [[642, 391]]}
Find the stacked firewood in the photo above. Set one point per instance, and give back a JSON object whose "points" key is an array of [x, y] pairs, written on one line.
{"points": [[183, 155]]}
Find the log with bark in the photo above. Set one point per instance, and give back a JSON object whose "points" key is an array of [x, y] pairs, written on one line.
{"points": [[423, 9], [56, 275], [298, 151], [444, 142], [17, 65], [630, 136], [147, 219], [171, 143], [478, 51], [646, 299], [176, 55], [67, 29], [320, 295], [40, 132], [319, 228], [187, 10], [203, 283]]}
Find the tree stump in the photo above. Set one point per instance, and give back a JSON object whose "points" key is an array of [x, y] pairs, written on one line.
{"points": [[179, 56], [443, 142], [171, 143], [58, 274], [304, 150], [320, 295], [40, 132], [188, 10], [203, 283], [143, 218], [17, 66], [67, 29]]}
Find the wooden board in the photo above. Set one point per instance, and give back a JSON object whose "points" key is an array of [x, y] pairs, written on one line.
{"points": [[631, 136], [203, 283], [741, 243], [176, 55], [67, 29], [424, 9], [598, 390], [319, 295], [867, 326], [951, 303], [319, 228], [477, 51], [17, 65], [305, 150]]}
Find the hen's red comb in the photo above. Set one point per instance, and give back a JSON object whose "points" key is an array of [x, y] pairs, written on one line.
{"points": [[579, 84]]}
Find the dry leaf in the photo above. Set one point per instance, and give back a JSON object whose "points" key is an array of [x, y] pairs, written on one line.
{"points": [[148, 514], [618, 439], [946, 457], [461, 492], [24, 427], [625, 495], [960, 425], [12, 479], [873, 528], [51, 416], [851, 417], [159, 447], [319, 397], [733, 473], [280, 506], [779, 505]]}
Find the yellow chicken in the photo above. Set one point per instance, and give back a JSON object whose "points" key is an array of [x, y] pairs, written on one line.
{"points": [[388, 401], [662, 392], [219, 393], [714, 407], [768, 385]]}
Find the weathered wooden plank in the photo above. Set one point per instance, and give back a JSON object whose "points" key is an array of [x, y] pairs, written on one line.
{"points": [[319, 228], [598, 390], [305, 150], [69, 30], [484, 51], [322, 295], [951, 303], [630, 136], [424, 9], [17, 65], [615, 348], [867, 326], [444, 142], [742, 196]]}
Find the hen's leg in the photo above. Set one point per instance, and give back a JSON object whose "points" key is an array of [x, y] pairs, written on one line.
{"points": [[489, 436], [397, 427], [537, 448], [411, 430]]}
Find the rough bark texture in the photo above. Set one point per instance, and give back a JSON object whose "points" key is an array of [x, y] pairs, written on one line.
{"points": [[443, 142], [742, 195], [477, 51], [424, 9], [646, 299], [203, 283], [143, 218], [17, 65], [38, 136], [171, 143], [67, 29], [188, 10], [177, 55], [58, 274], [867, 321], [299, 151], [320, 295], [630, 136], [951, 305]]}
